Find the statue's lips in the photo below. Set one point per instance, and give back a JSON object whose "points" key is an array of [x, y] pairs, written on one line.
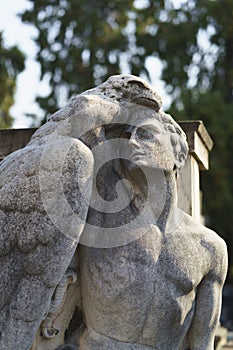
{"points": [[147, 102]]}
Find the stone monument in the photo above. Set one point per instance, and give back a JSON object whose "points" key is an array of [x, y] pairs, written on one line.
{"points": [[94, 251]]}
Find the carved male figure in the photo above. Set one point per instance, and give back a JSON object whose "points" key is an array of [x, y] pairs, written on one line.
{"points": [[163, 290], [160, 289]]}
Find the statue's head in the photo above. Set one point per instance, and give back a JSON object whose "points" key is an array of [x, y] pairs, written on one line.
{"points": [[155, 140], [129, 100]]}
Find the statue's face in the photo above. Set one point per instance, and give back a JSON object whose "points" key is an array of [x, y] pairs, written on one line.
{"points": [[149, 145]]}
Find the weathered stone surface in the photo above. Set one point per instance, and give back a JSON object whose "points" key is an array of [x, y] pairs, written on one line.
{"points": [[146, 276]]}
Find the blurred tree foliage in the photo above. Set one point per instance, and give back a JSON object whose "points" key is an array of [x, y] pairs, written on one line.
{"points": [[81, 43], [11, 64]]}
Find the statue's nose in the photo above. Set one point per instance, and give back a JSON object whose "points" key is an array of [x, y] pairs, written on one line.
{"points": [[133, 140]]}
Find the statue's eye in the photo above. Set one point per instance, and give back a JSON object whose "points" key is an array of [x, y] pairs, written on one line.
{"points": [[126, 135], [127, 132], [144, 134]]}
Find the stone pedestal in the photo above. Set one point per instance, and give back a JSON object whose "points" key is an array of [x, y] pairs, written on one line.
{"points": [[188, 181]]}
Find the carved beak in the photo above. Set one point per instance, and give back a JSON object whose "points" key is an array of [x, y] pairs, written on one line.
{"points": [[144, 95], [147, 102]]}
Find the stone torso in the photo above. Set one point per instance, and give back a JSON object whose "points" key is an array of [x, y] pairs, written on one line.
{"points": [[139, 291]]}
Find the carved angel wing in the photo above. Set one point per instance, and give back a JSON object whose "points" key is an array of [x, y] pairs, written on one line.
{"points": [[34, 250]]}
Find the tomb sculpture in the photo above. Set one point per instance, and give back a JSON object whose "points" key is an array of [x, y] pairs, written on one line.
{"points": [[90, 230]]}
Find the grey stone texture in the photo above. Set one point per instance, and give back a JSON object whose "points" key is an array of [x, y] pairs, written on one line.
{"points": [[145, 276]]}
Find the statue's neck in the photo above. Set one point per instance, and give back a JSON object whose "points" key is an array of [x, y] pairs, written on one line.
{"points": [[159, 191]]}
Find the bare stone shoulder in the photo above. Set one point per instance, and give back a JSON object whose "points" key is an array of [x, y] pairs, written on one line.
{"points": [[209, 239]]}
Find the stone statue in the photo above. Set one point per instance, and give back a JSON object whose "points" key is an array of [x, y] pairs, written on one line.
{"points": [[89, 222]]}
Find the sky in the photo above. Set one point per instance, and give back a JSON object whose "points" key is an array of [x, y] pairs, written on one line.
{"points": [[28, 83]]}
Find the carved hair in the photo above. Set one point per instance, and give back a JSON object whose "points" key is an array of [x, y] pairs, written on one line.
{"points": [[177, 137]]}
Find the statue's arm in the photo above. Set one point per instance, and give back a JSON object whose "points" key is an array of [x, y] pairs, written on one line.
{"points": [[208, 301]]}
